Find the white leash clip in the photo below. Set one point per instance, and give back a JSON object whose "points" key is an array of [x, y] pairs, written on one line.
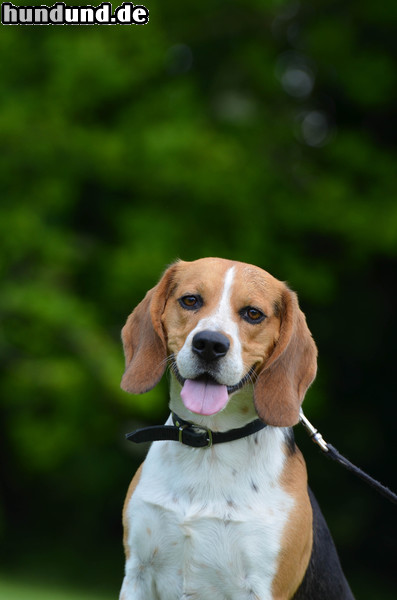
{"points": [[313, 432]]}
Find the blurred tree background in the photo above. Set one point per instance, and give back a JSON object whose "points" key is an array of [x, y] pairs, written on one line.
{"points": [[262, 131]]}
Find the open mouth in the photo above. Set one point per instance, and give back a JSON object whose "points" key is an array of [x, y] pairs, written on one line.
{"points": [[204, 395]]}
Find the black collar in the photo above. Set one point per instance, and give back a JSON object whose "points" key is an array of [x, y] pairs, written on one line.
{"points": [[191, 434]]}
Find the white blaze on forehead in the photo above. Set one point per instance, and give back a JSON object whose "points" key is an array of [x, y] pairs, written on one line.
{"points": [[231, 368], [223, 313], [222, 318]]}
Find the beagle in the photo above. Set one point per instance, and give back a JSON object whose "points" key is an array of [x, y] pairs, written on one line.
{"points": [[220, 509]]}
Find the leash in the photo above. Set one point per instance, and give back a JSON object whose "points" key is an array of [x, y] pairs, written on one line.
{"points": [[333, 454]]}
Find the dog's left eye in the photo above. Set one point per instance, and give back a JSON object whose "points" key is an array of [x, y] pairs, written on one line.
{"points": [[191, 302], [252, 315]]}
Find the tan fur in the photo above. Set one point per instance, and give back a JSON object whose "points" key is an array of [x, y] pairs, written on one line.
{"points": [[144, 339], [131, 490], [297, 540], [291, 368], [251, 287], [191, 278], [281, 350]]}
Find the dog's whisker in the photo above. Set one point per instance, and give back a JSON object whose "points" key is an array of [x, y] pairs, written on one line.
{"points": [[168, 359], [252, 376]]}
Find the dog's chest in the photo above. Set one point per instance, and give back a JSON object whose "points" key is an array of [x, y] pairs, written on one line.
{"points": [[208, 524]]}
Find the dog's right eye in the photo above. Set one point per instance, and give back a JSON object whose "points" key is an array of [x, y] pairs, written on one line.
{"points": [[191, 302]]}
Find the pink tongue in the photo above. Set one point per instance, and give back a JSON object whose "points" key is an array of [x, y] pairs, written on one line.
{"points": [[204, 398]]}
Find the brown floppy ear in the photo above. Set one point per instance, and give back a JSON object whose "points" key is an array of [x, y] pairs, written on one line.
{"points": [[144, 341], [290, 369]]}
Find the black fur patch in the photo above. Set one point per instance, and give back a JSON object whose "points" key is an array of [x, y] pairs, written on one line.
{"points": [[324, 577], [290, 441]]}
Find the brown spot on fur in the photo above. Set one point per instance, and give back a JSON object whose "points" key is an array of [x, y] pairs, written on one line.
{"points": [[297, 540]]}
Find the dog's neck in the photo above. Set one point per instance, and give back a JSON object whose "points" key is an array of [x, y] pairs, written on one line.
{"points": [[239, 411], [217, 472]]}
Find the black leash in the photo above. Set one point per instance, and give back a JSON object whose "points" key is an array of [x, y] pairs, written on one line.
{"points": [[333, 454]]}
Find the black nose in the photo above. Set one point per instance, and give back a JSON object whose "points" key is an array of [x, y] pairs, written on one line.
{"points": [[210, 345]]}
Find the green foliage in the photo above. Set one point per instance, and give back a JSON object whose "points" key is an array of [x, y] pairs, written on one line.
{"points": [[18, 591], [259, 131]]}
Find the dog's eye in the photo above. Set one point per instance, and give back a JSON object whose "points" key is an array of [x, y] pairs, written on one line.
{"points": [[252, 315], [191, 302]]}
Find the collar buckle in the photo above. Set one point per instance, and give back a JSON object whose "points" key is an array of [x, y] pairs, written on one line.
{"points": [[193, 435], [207, 433]]}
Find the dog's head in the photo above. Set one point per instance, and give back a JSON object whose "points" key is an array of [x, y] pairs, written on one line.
{"points": [[222, 324]]}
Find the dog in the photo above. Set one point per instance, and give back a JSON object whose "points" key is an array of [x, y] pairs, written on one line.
{"points": [[221, 509]]}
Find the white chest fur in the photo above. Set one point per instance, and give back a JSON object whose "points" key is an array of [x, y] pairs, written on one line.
{"points": [[207, 524]]}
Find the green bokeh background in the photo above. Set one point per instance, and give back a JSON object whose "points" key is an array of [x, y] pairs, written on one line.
{"points": [[262, 131]]}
